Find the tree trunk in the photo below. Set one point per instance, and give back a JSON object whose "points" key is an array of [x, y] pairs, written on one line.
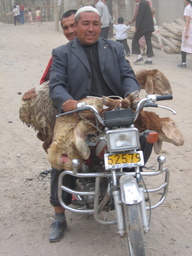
{"points": [[61, 11], [180, 21], [56, 15], [110, 7], [168, 34], [116, 10], [172, 29], [46, 10], [156, 45]]}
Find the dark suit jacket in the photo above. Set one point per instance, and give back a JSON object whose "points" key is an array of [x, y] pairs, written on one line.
{"points": [[70, 75], [144, 19]]}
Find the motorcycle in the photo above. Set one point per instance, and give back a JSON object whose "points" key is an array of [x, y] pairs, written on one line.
{"points": [[116, 180]]}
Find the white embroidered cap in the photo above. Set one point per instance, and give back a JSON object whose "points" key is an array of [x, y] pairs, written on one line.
{"points": [[87, 9]]}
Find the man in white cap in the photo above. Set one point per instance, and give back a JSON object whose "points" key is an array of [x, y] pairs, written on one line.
{"points": [[88, 66]]}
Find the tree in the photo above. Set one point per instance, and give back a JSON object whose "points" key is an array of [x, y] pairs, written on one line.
{"points": [[56, 15]]}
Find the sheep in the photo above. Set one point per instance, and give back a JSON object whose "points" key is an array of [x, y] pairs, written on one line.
{"points": [[165, 127], [153, 82], [67, 142], [39, 113], [70, 143], [43, 119], [70, 131]]}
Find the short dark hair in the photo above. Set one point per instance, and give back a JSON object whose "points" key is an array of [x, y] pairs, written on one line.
{"points": [[189, 1], [120, 20], [68, 14]]}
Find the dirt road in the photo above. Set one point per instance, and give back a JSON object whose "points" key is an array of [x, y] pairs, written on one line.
{"points": [[26, 214]]}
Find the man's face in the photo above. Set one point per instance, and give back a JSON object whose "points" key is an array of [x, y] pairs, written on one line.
{"points": [[69, 27], [88, 28]]}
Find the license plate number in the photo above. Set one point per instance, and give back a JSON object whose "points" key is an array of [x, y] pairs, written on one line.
{"points": [[124, 160]]}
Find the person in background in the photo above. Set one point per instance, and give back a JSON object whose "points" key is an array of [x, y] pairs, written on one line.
{"points": [[105, 17], [16, 14], [38, 16], [143, 27], [30, 16], [186, 45], [17, 5], [121, 34], [22, 13], [69, 31]]}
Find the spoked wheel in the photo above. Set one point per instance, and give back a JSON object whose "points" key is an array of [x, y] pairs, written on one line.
{"points": [[134, 228]]}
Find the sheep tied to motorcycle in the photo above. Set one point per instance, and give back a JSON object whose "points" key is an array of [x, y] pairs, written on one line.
{"points": [[104, 144], [66, 135]]}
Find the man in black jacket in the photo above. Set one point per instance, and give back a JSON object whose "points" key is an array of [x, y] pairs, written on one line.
{"points": [[144, 27], [87, 66]]}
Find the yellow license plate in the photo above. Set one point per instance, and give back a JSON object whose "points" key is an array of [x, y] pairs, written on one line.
{"points": [[124, 160]]}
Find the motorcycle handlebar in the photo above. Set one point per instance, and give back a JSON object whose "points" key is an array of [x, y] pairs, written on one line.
{"points": [[149, 101], [164, 97]]}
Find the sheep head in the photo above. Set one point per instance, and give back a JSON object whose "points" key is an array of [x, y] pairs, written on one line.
{"points": [[154, 82], [165, 127], [169, 133]]}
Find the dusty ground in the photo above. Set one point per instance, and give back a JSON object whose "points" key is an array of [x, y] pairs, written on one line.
{"points": [[26, 214]]}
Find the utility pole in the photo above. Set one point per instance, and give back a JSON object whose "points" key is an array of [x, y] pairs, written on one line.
{"points": [[56, 15], [110, 7], [116, 10]]}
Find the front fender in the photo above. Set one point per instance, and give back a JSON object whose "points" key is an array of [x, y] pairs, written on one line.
{"points": [[130, 193]]}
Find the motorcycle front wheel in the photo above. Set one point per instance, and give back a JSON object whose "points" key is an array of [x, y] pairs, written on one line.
{"points": [[134, 229]]}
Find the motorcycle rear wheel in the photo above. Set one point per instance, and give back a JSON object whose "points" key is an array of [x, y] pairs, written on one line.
{"points": [[134, 229]]}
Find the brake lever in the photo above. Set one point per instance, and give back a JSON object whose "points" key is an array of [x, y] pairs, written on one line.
{"points": [[167, 108], [73, 111], [159, 106]]}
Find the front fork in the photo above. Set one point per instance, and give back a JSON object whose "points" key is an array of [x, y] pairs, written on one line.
{"points": [[140, 187], [129, 193], [118, 205]]}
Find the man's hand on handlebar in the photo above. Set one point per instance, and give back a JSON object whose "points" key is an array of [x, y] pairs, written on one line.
{"points": [[134, 99], [69, 105]]}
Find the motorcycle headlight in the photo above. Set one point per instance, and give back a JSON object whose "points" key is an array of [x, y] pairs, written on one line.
{"points": [[122, 139]]}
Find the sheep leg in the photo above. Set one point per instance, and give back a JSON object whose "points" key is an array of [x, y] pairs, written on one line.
{"points": [[79, 134]]}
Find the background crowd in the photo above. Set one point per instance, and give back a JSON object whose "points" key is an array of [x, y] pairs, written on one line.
{"points": [[142, 20], [23, 15]]}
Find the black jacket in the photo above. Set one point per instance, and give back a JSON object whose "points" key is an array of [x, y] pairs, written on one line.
{"points": [[144, 19], [70, 75]]}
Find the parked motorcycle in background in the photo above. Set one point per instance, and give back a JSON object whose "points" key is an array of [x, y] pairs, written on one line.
{"points": [[116, 179]]}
